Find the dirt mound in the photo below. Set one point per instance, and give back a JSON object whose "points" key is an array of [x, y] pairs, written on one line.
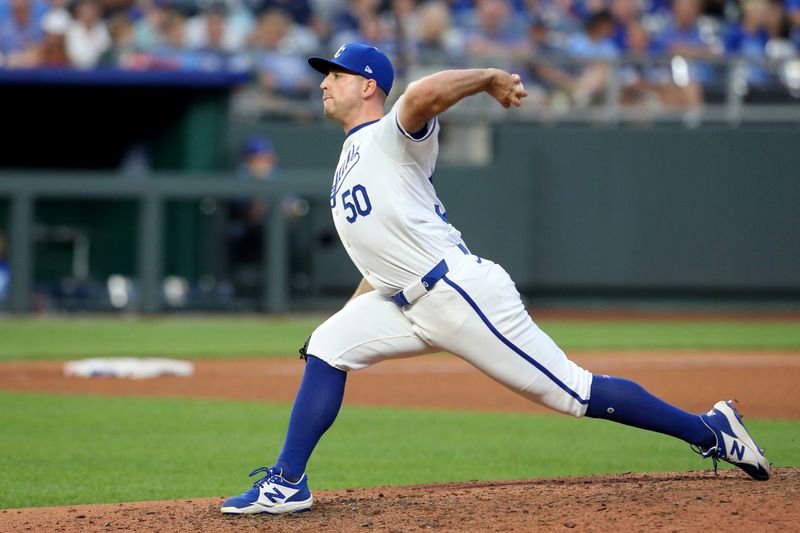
{"points": [[630, 502]]}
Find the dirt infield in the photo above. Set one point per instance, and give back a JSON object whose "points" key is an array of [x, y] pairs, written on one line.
{"points": [[693, 501], [765, 383]]}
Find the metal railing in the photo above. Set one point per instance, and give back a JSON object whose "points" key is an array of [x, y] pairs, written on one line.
{"points": [[151, 193]]}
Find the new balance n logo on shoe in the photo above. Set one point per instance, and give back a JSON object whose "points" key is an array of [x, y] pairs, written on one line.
{"points": [[737, 450], [274, 495], [271, 494]]}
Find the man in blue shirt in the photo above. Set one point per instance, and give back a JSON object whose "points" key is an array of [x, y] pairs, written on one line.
{"points": [[20, 36]]}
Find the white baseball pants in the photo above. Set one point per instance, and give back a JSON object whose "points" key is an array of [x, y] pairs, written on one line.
{"points": [[475, 313]]}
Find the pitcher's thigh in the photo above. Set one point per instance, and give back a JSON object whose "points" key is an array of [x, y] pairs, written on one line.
{"points": [[498, 336], [367, 330]]}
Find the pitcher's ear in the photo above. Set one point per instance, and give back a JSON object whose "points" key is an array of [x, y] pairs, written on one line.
{"points": [[369, 88]]}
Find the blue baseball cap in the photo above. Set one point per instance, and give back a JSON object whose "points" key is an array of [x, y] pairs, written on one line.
{"points": [[361, 59], [257, 145]]}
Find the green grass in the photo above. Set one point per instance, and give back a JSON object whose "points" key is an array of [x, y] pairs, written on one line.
{"points": [[688, 334], [256, 337], [202, 337], [79, 449]]}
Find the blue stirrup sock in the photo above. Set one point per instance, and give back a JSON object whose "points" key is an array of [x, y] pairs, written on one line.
{"points": [[626, 402], [315, 408]]}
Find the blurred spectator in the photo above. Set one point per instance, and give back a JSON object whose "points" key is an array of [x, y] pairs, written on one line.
{"points": [[323, 14], [272, 31], [347, 18], [5, 271], [560, 16], [275, 30], [594, 46], [779, 19], [625, 13], [595, 42], [259, 160], [247, 215], [87, 37], [436, 42], [401, 18], [223, 26], [643, 80], [54, 48], [371, 29], [175, 31], [151, 28], [749, 38], [171, 53], [688, 45], [401, 15], [38, 7], [21, 36], [685, 36], [547, 75], [214, 35], [496, 36], [123, 39], [279, 58], [541, 38]]}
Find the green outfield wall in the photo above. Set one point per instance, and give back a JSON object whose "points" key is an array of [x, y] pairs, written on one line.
{"points": [[564, 209], [658, 208], [567, 208]]}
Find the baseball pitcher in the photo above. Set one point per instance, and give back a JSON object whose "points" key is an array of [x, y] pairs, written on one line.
{"points": [[424, 290]]}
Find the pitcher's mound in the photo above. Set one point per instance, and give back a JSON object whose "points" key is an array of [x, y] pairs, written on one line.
{"points": [[695, 501]]}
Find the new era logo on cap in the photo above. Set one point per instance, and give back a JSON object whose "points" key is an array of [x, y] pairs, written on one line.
{"points": [[361, 59]]}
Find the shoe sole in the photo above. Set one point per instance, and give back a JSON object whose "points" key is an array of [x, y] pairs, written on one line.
{"points": [[286, 508]]}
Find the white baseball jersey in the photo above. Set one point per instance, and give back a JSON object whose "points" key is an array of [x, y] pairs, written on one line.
{"points": [[384, 205], [393, 226]]}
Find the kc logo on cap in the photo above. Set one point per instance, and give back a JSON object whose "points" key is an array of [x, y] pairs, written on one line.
{"points": [[361, 59]]}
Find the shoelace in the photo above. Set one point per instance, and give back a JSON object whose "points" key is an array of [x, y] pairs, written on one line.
{"points": [[711, 452], [714, 452], [263, 479]]}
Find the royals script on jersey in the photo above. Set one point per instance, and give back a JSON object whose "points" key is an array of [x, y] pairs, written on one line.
{"points": [[384, 205]]}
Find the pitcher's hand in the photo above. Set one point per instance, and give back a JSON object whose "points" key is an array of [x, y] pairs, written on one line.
{"points": [[507, 88]]}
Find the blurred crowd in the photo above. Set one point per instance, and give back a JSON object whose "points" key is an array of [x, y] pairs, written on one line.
{"points": [[668, 50]]}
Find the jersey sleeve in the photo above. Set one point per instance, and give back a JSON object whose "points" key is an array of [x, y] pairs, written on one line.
{"points": [[405, 147]]}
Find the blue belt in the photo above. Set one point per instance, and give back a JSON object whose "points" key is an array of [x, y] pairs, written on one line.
{"points": [[425, 284]]}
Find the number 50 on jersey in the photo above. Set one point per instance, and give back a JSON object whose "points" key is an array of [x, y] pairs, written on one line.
{"points": [[356, 202]]}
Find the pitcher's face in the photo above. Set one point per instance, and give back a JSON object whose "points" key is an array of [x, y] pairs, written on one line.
{"points": [[341, 93]]}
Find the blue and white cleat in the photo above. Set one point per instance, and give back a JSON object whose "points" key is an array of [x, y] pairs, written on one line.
{"points": [[734, 444], [271, 494]]}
